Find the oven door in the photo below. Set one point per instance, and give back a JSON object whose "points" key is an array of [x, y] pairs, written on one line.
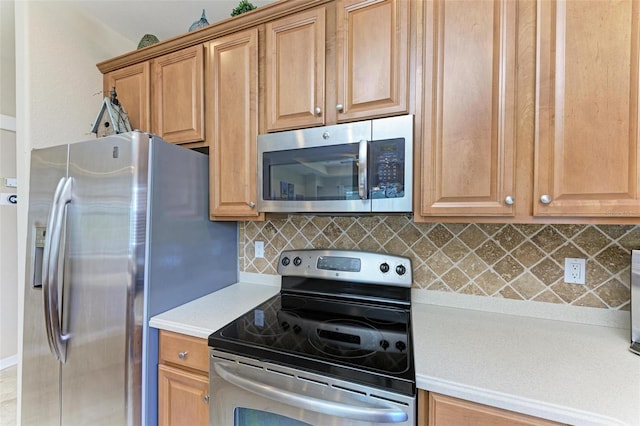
{"points": [[249, 392]]}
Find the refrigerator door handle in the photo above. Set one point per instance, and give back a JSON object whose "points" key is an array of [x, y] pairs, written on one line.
{"points": [[55, 320], [46, 255]]}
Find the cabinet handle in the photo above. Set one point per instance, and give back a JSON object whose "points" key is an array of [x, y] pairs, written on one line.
{"points": [[545, 199], [251, 204], [509, 200], [339, 107], [317, 111], [182, 355], [205, 399]]}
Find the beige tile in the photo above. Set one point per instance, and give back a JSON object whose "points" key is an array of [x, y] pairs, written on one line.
{"points": [[515, 261], [614, 258], [528, 285], [508, 268], [528, 254], [472, 236], [472, 265], [548, 239], [490, 252], [490, 282], [613, 293], [509, 237], [591, 240], [439, 235], [547, 271]]}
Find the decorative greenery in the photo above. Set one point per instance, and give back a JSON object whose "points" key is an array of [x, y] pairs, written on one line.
{"points": [[243, 6]]}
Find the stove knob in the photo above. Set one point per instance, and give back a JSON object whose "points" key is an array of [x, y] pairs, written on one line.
{"points": [[400, 345], [284, 325], [297, 329], [400, 270], [297, 261], [384, 268], [384, 344], [285, 261]]}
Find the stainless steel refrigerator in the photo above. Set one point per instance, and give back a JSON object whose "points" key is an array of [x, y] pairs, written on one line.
{"points": [[118, 232]]}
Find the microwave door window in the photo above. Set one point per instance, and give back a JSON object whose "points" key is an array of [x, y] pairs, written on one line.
{"points": [[312, 174]]}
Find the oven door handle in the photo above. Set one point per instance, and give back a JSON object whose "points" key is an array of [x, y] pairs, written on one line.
{"points": [[367, 414]]}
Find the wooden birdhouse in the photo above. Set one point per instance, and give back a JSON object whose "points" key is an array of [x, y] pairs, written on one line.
{"points": [[112, 118]]}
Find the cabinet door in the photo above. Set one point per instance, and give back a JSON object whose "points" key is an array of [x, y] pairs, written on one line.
{"points": [[586, 140], [132, 86], [178, 96], [295, 67], [468, 153], [446, 410], [232, 102], [183, 397], [373, 58]]}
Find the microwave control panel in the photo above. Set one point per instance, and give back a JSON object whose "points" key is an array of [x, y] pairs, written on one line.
{"points": [[386, 175]]}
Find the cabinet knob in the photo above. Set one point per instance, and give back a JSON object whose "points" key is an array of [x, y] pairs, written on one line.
{"points": [[339, 107], [545, 199], [183, 355], [509, 200], [317, 111], [251, 204], [205, 399]]}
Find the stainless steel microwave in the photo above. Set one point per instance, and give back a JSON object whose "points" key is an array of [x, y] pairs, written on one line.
{"points": [[360, 167]]}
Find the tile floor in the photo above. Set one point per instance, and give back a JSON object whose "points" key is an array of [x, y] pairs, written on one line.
{"points": [[8, 399]]}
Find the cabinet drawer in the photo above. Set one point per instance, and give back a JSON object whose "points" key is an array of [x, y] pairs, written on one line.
{"points": [[184, 351]]}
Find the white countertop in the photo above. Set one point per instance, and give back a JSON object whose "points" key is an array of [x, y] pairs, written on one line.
{"points": [[575, 372], [209, 313]]}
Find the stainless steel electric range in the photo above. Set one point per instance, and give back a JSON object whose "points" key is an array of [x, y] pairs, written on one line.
{"points": [[333, 347]]}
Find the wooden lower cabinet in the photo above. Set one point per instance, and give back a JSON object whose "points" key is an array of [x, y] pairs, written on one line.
{"points": [[183, 380], [441, 410]]}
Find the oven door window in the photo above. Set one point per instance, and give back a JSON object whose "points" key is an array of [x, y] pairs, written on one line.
{"points": [[324, 173], [250, 417]]}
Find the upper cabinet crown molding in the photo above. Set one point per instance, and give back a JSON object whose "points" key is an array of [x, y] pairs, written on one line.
{"points": [[587, 153], [231, 25]]}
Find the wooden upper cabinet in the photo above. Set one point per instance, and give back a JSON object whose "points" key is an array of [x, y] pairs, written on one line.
{"points": [[469, 120], [232, 127], [586, 140], [295, 70], [132, 86], [178, 95], [372, 58]]}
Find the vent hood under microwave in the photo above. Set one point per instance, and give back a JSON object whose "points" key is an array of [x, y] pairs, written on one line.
{"points": [[354, 168]]}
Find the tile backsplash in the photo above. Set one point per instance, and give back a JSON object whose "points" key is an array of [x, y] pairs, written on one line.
{"points": [[512, 261]]}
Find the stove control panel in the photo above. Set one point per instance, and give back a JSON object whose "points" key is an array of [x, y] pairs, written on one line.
{"points": [[347, 265]]}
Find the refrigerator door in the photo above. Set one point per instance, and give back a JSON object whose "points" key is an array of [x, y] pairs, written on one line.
{"points": [[105, 230], [40, 369]]}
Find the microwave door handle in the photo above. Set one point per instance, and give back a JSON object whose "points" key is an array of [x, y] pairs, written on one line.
{"points": [[362, 169], [46, 255], [366, 414]]}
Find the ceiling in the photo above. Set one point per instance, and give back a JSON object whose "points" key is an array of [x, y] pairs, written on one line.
{"points": [[162, 18]]}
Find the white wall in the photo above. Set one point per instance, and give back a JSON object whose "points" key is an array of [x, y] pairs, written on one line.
{"points": [[56, 83], [8, 217]]}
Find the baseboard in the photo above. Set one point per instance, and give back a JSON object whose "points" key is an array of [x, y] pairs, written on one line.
{"points": [[8, 362]]}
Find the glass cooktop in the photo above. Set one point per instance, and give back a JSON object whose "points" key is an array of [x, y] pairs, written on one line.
{"points": [[362, 339]]}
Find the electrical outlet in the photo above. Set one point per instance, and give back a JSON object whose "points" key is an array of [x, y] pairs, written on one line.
{"points": [[259, 249], [575, 270]]}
